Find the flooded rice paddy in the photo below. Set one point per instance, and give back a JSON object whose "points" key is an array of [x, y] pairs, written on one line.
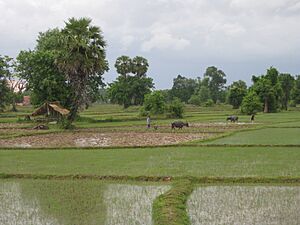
{"points": [[76, 202], [245, 205], [67, 202]]}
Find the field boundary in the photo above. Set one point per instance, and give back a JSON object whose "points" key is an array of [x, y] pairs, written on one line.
{"points": [[196, 145], [170, 208], [198, 180]]}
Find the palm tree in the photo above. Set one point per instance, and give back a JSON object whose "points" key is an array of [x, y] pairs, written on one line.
{"points": [[82, 58]]}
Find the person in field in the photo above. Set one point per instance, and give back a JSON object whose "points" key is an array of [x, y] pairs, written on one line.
{"points": [[148, 122], [252, 118]]}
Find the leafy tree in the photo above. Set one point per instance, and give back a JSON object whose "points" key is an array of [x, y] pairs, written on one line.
{"points": [[268, 89], [132, 84], [195, 100], [296, 90], [43, 78], [82, 59], [4, 89], [154, 103], [216, 82], [66, 65], [287, 82], [183, 88], [251, 103], [204, 94], [237, 91], [175, 108], [15, 83]]}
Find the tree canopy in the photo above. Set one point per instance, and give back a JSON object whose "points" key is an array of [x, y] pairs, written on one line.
{"points": [[132, 84], [67, 64]]}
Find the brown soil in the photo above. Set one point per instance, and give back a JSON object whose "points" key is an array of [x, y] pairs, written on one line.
{"points": [[88, 139]]}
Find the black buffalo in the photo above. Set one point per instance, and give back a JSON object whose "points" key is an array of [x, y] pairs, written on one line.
{"points": [[179, 124], [232, 118]]}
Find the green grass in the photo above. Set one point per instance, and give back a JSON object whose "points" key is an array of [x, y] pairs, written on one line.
{"points": [[268, 136], [170, 207], [173, 161]]}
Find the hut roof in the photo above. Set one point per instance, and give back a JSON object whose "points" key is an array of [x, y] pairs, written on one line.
{"points": [[52, 106]]}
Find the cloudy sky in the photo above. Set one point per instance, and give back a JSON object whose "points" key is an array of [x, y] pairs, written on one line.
{"points": [[241, 37]]}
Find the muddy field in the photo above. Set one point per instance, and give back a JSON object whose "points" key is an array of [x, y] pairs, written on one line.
{"points": [[22, 135], [87, 139]]}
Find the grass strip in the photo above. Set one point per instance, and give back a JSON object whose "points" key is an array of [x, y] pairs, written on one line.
{"points": [[170, 207], [178, 180], [199, 145]]}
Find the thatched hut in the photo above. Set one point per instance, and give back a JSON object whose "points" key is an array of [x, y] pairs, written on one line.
{"points": [[51, 110]]}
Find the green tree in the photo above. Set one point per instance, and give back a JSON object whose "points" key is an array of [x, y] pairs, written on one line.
{"points": [[154, 103], [195, 100], [175, 108], [237, 91], [296, 90], [4, 89], [183, 88], [139, 66], [132, 83], [268, 89], [204, 94], [15, 83], [123, 65], [216, 83], [251, 103], [82, 59], [45, 82], [287, 82]]}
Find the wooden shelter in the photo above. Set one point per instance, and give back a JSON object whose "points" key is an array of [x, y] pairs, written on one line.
{"points": [[51, 110]]}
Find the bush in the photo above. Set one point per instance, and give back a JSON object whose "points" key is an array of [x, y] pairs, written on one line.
{"points": [[209, 103], [195, 100], [153, 103], [251, 104], [175, 109]]}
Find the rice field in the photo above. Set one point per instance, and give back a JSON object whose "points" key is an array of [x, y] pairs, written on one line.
{"points": [[267, 136], [42, 202], [112, 170], [237, 205]]}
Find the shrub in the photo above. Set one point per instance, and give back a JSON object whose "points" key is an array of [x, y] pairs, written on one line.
{"points": [[175, 109], [251, 103], [195, 100], [209, 103], [153, 103]]}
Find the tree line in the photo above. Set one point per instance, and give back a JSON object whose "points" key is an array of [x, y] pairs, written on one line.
{"points": [[67, 65]]}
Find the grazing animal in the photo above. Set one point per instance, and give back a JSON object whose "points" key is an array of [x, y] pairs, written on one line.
{"points": [[179, 124], [232, 118]]}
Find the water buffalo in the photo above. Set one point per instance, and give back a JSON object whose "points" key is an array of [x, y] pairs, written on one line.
{"points": [[232, 118], [179, 124]]}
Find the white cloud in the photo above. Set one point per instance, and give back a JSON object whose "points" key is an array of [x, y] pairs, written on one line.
{"points": [[212, 31], [165, 41]]}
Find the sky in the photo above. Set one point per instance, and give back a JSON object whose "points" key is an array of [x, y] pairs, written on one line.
{"points": [[240, 37]]}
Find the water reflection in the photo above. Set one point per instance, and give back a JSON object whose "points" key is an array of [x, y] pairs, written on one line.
{"points": [[53, 202], [14, 210]]}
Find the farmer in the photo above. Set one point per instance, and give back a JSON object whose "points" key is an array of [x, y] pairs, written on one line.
{"points": [[252, 118], [148, 121]]}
